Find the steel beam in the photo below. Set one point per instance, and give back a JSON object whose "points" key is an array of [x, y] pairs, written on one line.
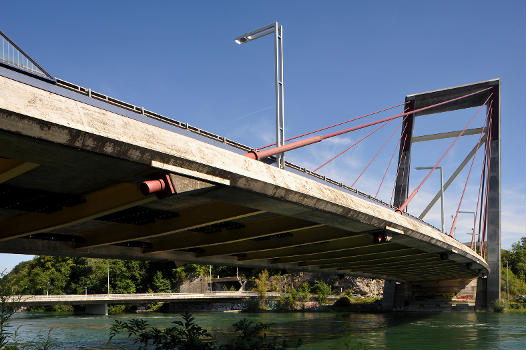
{"points": [[404, 156], [445, 135], [452, 178], [493, 225]]}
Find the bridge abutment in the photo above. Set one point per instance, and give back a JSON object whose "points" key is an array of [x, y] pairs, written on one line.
{"points": [[97, 309], [442, 295]]}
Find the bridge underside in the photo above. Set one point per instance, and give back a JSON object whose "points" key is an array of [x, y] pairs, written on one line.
{"points": [[69, 185]]}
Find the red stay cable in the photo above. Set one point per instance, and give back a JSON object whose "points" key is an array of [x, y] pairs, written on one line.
{"points": [[309, 141], [481, 179], [333, 125], [376, 155], [488, 168], [351, 146], [465, 186], [415, 191]]}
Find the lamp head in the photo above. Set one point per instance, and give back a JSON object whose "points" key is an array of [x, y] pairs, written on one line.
{"points": [[242, 40]]}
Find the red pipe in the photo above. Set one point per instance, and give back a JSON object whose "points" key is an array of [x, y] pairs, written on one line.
{"points": [[291, 146], [163, 184]]}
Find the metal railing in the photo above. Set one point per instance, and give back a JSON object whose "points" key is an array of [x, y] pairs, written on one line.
{"points": [[222, 139]]}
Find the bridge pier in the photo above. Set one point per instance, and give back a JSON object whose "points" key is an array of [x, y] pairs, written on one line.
{"points": [[97, 309], [452, 294], [395, 295]]}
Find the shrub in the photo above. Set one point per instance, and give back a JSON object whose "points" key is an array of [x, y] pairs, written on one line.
{"points": [[499, 305], [262, 285], [322, 291], [286, 302], [184, 335]]}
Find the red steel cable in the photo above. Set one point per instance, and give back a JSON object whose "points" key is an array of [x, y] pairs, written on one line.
{"points": [[465, 186], [333, 125], [376, 155], [351, 146], [488, 168], [415, 191], [288, 147], [481, 179]]}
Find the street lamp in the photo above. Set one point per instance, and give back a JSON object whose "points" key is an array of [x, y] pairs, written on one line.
{"points": [[278, 53], [441, 190]]}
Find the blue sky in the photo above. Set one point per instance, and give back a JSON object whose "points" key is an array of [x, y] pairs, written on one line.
{"points": [[342, 59]]}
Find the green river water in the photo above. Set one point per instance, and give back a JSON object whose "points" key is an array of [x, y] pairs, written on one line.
{"points": [[440, 331]]}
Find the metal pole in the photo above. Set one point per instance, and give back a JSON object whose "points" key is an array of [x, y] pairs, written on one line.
{"points": [[279, 157], [282, 97], [442, 196], [507, 285], [210, 271], [108, 261]]}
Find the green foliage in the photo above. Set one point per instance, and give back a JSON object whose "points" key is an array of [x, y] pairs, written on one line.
{"points": [[7, 307], [262, 285], [516, 259], [184, 335], [322, 291], [303, 292], [499, 305], [287, 302]]}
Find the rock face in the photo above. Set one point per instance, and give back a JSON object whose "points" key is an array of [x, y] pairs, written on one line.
{"points": [[339, 283]]}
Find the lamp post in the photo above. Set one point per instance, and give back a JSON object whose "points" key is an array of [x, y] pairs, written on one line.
{"points": [[441, 190], [108, 276], [277, 30]]}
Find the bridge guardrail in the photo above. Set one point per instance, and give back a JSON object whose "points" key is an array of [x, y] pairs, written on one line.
{"points": [[140, 110]]}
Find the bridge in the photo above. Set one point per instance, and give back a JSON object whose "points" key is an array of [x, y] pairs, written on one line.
{"points": [[84, 174], [97, 304]]}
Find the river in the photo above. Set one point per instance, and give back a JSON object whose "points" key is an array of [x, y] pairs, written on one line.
{"points": [[429, 331]]}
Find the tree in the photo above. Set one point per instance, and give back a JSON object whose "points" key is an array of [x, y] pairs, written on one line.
{"points": [[261, 287], [322, 291]]}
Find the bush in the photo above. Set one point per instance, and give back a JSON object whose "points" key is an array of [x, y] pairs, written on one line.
{"points": [[262, 285], [286, 302], [344, 301], [499, 305], [322, 291], [303, 292], [184, 335]]}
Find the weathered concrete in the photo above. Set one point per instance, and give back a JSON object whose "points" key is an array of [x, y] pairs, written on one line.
{"points": [[97, 309], [81, 149]]}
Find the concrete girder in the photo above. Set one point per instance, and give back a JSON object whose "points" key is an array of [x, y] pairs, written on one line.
{"points": [[11, 168], [188, 219], [254, 229], [97, 204], [375, 262], [297, 238], [372, 250]]}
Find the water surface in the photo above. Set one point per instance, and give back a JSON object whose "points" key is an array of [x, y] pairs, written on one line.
{"points": [[430, 331]]}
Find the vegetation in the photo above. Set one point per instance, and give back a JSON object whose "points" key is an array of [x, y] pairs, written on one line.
{"points": [[322, 291], [516, 272], [262, 285], [188, 335]]}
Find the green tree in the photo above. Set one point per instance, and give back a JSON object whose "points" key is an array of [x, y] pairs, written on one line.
{"points": [[322, 291], [262, 285]]}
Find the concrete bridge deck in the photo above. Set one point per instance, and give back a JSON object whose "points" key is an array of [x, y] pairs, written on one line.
{"points": [[139, 298], [70, 169]]}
